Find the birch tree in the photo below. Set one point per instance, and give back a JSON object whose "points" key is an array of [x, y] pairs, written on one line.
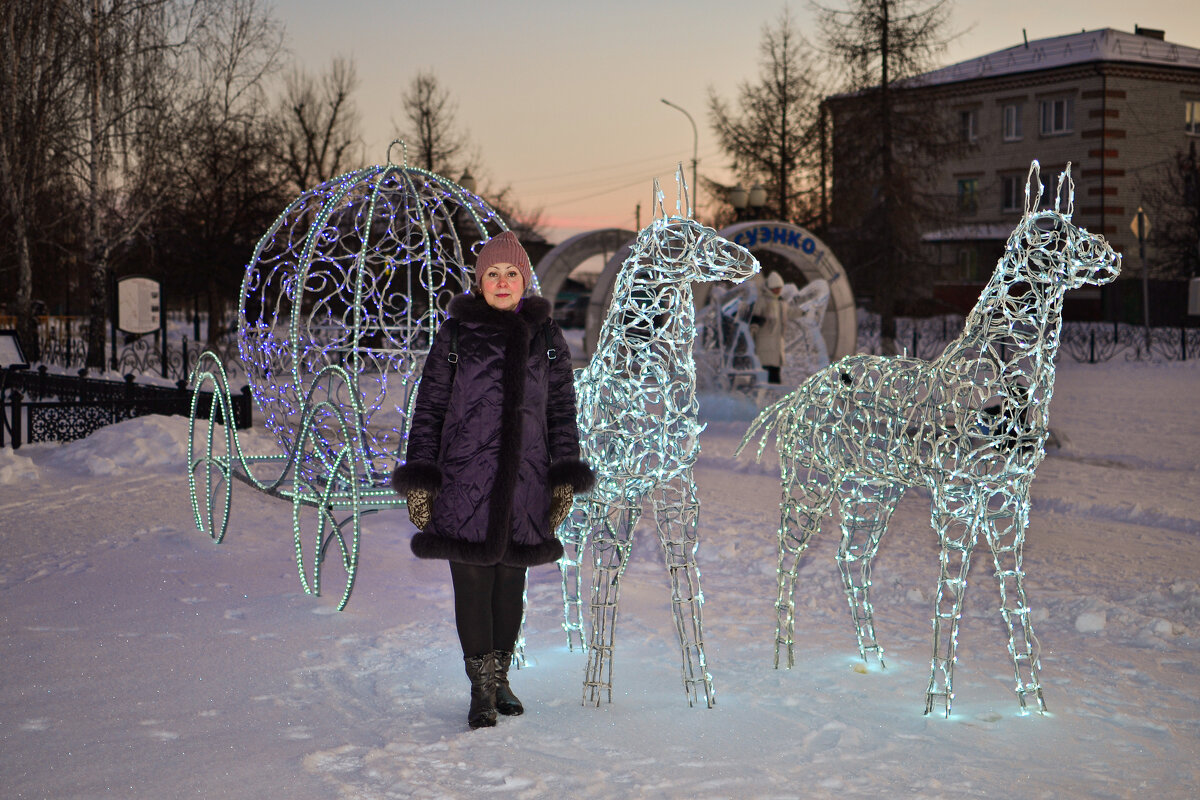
{"points": [[36, 108]]}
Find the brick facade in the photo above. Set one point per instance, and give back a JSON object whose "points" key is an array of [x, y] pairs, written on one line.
{"points": [[1115, 109]]}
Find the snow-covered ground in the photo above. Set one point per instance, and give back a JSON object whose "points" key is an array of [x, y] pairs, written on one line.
{"points": [[140, 660]]}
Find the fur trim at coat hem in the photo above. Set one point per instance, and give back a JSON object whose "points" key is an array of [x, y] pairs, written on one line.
{"points": [[510, 411], [573, 472], [482, 554], [417, 475]]}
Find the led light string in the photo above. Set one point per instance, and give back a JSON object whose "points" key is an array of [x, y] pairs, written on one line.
{"points": [[970, 426], [337, 311], [639, 430]]}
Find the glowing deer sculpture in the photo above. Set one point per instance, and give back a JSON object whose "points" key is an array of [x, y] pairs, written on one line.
{"points": [[639, 431], [970, 426]]}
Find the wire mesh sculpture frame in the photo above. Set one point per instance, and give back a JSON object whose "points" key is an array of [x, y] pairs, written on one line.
{"points": [[639, 431], [337, 311], [971, 426]]}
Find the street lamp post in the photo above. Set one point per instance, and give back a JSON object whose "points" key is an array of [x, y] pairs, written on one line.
{"points": [[747, 204], [695, 151]]}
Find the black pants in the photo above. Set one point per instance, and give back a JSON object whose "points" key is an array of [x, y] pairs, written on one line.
{"points": [[488, 604], [772, 374]]}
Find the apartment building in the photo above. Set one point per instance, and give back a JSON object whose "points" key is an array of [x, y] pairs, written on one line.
{"points": [[1116, 105]]}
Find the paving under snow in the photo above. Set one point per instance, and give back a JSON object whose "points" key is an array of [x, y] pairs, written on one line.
{"points": [[143, 661]]}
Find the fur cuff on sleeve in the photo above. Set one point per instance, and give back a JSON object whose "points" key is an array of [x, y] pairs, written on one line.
{"points": [[573, 472], [418, 475]]}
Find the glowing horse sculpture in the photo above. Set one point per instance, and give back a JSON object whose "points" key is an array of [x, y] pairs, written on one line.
{"points": [[639, 431], [970, 425]]}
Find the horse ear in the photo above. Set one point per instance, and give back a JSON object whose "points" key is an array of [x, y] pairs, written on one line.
{"points": [[656, 203], [1035, 177], [684, 198], [1065, 182]]}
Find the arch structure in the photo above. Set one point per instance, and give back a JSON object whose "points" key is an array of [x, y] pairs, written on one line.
{"points": [[815, 261], [557, 265], [799, 246]]}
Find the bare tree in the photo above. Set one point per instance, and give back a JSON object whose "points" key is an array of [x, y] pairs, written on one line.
{"points": [[772, 137], [431, 125], [226, 186], [127, 74], [878, 43], [36, 46], [1174, 198], [320, 129], [527, 224]]}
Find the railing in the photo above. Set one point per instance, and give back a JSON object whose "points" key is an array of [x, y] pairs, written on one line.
{"points": [[80, 406], [1085, 342], [63, 343]]}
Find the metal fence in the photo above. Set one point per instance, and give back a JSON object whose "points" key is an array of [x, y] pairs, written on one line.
{"points": [[63, 342], [1085, 342], [36, 406]]}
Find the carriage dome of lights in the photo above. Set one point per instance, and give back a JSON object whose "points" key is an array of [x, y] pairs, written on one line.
{"points": [[356, 273]]}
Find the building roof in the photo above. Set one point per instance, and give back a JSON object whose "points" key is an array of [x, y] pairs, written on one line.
{"points": [[1104, 44]]}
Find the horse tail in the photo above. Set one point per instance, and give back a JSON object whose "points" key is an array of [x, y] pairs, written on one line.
{"points": [[766, 422]]}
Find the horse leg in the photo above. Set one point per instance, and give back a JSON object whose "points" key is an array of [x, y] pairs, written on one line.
{"points": [[865, 515], [806, 497], [574, 535], [956, 516], [1007, 545], [611, 546], [676, 510]]}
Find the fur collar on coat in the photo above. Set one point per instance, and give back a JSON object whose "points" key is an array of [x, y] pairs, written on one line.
{"points": [[473, 308]]}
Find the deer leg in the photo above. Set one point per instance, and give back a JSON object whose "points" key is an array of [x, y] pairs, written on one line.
{"points": [[866, 511], [574, 535], [806, 497], [1007, 545], [676, 511], [610, 553], [956, 518]]}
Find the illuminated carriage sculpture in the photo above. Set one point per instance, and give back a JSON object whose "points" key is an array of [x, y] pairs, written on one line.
{"points": [[337, 311]]}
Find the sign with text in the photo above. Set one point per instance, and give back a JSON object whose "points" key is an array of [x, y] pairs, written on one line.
{"points": [[139, 305]]}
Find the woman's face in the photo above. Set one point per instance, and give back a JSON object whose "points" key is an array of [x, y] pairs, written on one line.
{"points": [[502, 285]]}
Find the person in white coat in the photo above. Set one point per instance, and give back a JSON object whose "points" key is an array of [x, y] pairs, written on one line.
{"points": [[768, 320]]}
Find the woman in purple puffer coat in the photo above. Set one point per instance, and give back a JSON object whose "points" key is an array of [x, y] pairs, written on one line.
{"points": [[493, 461]]}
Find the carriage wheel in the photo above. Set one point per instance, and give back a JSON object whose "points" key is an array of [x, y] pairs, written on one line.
{"points": [[209, 473], [327, 486]]}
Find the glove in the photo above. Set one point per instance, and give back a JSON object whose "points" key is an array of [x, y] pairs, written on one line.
{"points": [[560, 505], [420, 505]]}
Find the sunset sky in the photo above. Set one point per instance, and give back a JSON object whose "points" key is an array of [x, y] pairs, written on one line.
{"points": [[562, 101]]}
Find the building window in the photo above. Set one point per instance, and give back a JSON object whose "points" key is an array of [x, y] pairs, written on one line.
{"points": [[1012, 193], [1057, 116], [1191, 117], [1012, 122], [968, 264], [968, 195], [967, 122]]}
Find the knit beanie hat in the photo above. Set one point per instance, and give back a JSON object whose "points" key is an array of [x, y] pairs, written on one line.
{"points": [[504, 249], [774, 281]]}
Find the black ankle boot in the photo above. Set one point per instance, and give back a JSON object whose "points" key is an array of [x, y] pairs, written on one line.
{"points": [[482, 672], [506, 702]]}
